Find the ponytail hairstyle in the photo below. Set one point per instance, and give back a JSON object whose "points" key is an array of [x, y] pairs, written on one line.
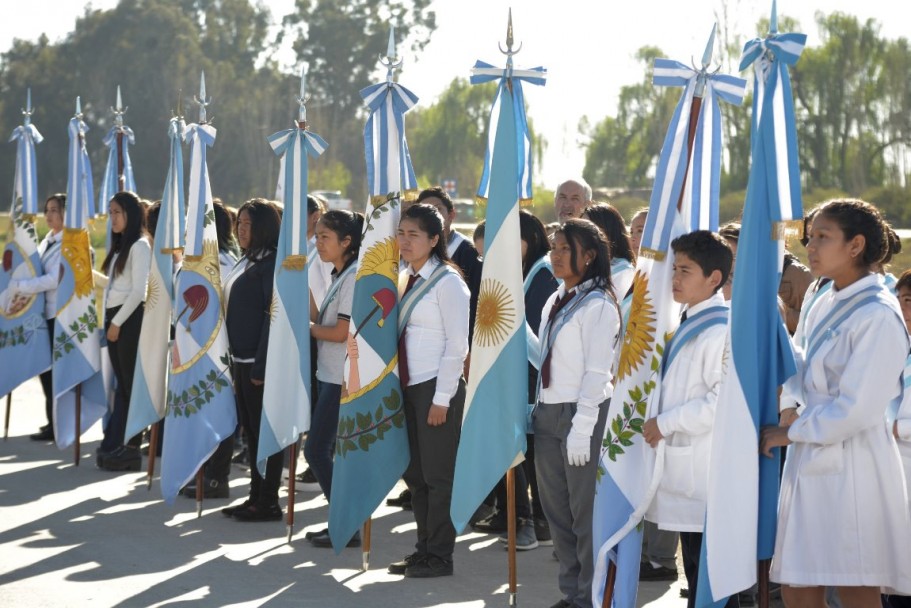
{"points": [[429, 221], [344, 224], [135, 229], [587, 236], [265, 226], [224, 221], [608, 219], [894, 245], [856, 217], [534, 234]]}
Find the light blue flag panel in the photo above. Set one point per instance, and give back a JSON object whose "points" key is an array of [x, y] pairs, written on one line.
{"points": [[118, 141]]}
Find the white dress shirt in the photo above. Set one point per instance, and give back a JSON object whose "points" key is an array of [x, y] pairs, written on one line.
{"points": [[49, 249], [436, 336], [319, 273], [128, 289]]}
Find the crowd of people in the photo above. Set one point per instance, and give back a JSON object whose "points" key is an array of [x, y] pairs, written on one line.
{"points": [[844, 519]]}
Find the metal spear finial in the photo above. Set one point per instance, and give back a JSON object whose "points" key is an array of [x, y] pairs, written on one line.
{"points": [[79, 108], [201, 98], [510, 40], [28, 110], [773, 20], [303, 99], [706, 63], [391, 62], [119, 110]]}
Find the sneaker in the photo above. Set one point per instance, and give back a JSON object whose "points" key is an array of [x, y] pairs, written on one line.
{"points": [[323, 541], [562, 604], [401, 500], [482, 512], [525, 536], [212, 488], [429, 567], [307, 482], [45, 433], [402, 566], [648, 572], [259, 512], [495, 524], [542, 532], [124, 458], [230, 511]]}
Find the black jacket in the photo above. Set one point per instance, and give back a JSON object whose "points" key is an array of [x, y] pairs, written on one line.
{"points": [[249, 317]]}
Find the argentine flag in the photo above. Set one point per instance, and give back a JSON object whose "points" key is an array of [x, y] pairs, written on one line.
{"points": [[150, 380], [743, 485], [286, 396]]}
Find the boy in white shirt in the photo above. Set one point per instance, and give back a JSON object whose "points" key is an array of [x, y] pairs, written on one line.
{"points": [[689, 381]]}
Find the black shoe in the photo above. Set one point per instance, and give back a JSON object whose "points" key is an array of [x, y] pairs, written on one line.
{"points": [[410, 560], [101, 454], [310, 535], [684, 592], [746, 598], [562, 604], [259, 512], [45, 433], [401, 500], [429, 567], [495, 524], [307, 482], [242, 457], [212, 488], [124, 458], [230, 511], [648, 572], [482, 512], [542, 532], [323, 541]]}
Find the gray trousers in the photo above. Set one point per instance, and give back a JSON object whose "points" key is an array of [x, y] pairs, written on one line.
{"points": [[568, 495], [432, 467], [659, 546]]}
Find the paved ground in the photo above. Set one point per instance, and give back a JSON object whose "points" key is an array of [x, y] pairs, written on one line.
{"points": [[74, 535]]}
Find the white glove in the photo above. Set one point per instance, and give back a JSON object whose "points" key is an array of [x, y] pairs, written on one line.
{"points": [[578, 448]]}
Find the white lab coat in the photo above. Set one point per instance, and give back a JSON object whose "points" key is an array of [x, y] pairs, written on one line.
{"points": [[843, 515], [686, 412]]}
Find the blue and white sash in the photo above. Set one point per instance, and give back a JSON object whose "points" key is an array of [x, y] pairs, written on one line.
{"points": [[420, 288], [828, 325], [689, 329], [619, 265], [333, 290], [542, 263]]}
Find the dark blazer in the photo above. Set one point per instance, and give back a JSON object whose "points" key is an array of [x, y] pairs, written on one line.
{"points": [[249, 317], [541, 288], [466, 258]]}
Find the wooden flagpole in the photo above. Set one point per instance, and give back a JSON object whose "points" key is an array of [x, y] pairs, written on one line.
{"points": [[9, 406], [199, 489], [511, 532], [153, 450], [763, 599], [365, 545], [292, 472], [609, 585], [76, 447]]}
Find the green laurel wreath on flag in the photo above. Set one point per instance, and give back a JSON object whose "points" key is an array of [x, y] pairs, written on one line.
{"points": [[80, 330], [14, 337], [193, 399], [364, 429]]}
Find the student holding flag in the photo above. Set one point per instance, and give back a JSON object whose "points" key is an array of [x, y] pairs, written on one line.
{"points": [[579, 334], [338, 242], [47, 283], [433, 344], [682, 410], [843, 518], [127, 267], [248, 297]]}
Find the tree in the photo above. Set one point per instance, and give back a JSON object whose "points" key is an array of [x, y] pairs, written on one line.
{"points": [[340, 43]]}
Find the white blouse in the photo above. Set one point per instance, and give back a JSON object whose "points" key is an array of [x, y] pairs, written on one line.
{"points": [[128, 289]]}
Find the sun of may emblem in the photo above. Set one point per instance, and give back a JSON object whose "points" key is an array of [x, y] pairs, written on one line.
{"points": [[640, 331], [496, 313]]}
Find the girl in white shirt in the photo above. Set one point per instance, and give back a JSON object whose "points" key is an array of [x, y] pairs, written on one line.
{"points": [[622, 254], [580, 327], [843, 518], [127, 266], [432, 349], [49, 250]]}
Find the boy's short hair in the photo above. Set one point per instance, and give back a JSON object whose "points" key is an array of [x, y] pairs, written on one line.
{"points": [[479, 231], [904, 281], [437, 192], [709, 250]]}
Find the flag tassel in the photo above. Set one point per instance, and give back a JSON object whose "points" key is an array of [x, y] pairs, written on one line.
{"points": [[365, 551], [511, 532], [76, 447], [153, 449], [9, 406]]}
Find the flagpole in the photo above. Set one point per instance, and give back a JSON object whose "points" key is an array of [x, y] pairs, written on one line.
{"points": [[153, 449], [292, 471], [763, 577], [199, 492], [76, 447], [609, 587], [511, 532], [365, 545], [119, 111], [9, 406]]}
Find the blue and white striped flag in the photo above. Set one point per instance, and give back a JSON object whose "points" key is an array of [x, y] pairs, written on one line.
{"points": [[147, 402], [494, 419], [629, 469], [24, 343], [200, 410], [286, 397], [484, 72], [77, 331], [371, 451], [742, 507], [117, 137]]}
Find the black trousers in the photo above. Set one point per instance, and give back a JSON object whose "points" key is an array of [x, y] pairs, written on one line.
{"points": [[263, 490], [691, 548], [432, 467], [123, 359], [47, 380]]}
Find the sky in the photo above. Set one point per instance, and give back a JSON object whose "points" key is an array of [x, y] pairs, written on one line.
{"points": [[587, 46]]}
